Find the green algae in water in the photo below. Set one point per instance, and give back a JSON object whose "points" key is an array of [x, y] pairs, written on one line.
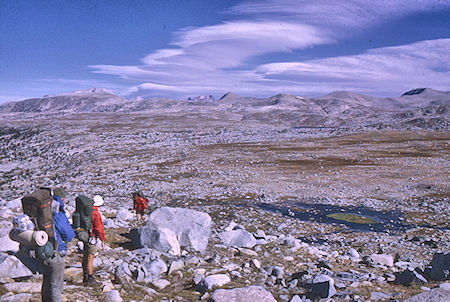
{"points": [[351, 218]]}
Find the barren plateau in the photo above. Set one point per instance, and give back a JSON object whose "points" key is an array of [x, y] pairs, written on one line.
{"points": [[262, 172]]}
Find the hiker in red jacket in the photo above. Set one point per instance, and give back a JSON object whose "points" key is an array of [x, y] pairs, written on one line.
{"points": [[97, 235], [139, 205]]}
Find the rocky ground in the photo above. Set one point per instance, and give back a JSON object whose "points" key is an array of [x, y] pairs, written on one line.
{"points": [[275, 181]]}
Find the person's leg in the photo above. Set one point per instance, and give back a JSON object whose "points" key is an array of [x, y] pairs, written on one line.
{"points": [[45, 290], [53, 279], [88, 267], [84, 262], [90, 264]]}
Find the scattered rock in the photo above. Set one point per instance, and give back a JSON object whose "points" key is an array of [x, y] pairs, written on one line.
{"points": [[111, 296], [247, 252], [354, 255], [10, 297], [160, 283], [23, 287], [382, 259], [175, 266], [245, 294], [322, 286], [211, 281], [256, 263], [409, 276], [156, 268], [377, 296], [124, 214], [238, 238]]}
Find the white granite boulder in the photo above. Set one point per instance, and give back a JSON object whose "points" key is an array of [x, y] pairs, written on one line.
{"points": [[239, 238], [124, 214], [191, 228], [244, 294], [382, 259], [12, 267], [207, 283]]}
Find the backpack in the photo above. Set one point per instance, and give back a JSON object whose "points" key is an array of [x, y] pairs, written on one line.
{"points": [[83, 212], [141, 203], [38, 206]]}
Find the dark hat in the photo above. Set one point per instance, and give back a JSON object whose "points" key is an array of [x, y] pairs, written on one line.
{"points": [[59, 192]]}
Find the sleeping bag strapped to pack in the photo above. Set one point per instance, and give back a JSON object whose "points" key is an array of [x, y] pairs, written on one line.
{"points": [[38, 206], [82, 216]]}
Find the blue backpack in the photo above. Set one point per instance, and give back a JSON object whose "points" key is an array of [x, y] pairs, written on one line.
{"points": [[64, 231]]}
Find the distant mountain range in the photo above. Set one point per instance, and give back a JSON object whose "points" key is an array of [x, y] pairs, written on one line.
{"points": [[422, 105]]}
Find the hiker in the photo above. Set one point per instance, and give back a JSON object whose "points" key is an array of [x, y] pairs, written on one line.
{"points": [[97, 235], [139, 205], [42, 231], [53, 268]]}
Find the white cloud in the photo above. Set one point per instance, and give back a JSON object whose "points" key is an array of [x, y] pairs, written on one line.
{"points": [[338, 15], [424, 63], [161, 56], [219, 58], [226, 45]]}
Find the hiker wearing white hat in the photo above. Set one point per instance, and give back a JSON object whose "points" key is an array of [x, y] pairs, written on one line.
{"points": [[98, 201], [97, 235]]}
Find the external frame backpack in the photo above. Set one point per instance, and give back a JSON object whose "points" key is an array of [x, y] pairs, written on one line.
{"points": [[82, 217], [38, 206]]}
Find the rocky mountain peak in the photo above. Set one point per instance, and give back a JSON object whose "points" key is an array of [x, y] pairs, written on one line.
{"points": [[92, 91], [414, 91], [202, 98], [229, 95]]}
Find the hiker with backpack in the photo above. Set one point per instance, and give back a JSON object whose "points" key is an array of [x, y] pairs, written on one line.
{"points": [[139, 205], [96, 237], [53, 269], [42, 231]]}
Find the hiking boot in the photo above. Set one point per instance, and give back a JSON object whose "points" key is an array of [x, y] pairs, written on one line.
{"points": [[91, 281], [85, 279]]}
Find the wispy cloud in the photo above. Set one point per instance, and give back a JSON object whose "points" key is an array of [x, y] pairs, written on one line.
{"points": [[208, 54], [223, 57], [376, 71], [337, 15]]}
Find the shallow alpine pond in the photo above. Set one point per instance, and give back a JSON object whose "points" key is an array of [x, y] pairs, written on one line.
{"points": [[356, 218], [353, 218]]}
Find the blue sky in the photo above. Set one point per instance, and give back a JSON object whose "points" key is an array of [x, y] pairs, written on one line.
{"points": [[182, 48]]}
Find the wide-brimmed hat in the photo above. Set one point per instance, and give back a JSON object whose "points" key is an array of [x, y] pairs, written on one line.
{"points": [[98, 201]]}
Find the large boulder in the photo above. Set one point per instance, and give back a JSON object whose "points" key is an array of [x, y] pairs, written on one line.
{"points": [[434, 295], [244, 294], [239, 238], [12, 267], [191, 228], [440, 266], [6, 244], [160, 239]]}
